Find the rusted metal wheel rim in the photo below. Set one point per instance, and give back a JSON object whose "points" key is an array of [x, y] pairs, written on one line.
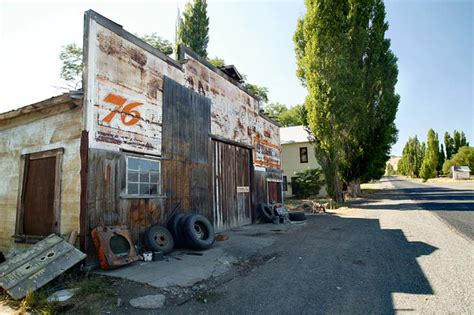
{"points": [[161, 239], [199, 230]]}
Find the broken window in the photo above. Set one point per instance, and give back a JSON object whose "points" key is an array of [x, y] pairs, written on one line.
{"points": [[143, 177], [304, 155]]}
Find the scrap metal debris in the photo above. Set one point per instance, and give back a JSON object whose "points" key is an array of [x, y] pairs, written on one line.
{"points": [[36, 266]]}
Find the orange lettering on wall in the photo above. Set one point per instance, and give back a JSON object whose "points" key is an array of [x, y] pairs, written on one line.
{"points": [[127, 110]]}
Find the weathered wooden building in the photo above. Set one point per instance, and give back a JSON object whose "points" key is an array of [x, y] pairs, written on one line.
{"points": [[147, 133]]}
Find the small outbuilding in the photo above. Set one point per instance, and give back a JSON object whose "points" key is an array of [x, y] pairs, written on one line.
{"points": [[460, 172]]}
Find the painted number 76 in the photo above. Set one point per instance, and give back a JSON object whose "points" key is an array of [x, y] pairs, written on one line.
{"points": [[125, 111]]}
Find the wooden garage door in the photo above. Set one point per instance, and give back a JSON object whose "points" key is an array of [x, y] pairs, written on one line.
{"points": [[38, 211], [231, 184]]}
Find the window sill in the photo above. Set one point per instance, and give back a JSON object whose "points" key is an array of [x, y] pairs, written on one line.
{"points": [[142, 197]]}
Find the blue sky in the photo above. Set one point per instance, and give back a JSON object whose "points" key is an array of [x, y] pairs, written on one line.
{"points": [[432, 39]]}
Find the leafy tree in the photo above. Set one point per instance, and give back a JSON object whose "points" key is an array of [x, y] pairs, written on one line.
{"points": [[441, 159], [274, 110], [217, 62], [346, 64], [427, 171], [390, 171], [294, 116], [309, 183], [464, 157], [260, 92], [193, 27], [449, 145], [412, 157], [158, 42], [71, 69], [457, 141], [431, 156]]}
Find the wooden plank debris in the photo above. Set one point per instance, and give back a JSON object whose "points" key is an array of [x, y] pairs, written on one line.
{"points": [[38, 265]]}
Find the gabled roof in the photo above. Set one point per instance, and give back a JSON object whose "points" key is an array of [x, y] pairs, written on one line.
{"points": [[461, 168], [232, 72], [294, 134]]}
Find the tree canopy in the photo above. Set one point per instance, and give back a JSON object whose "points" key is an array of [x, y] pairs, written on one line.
{"points": [[193, 27], [464, 157], [158, 42], [350, 72], [293, 116], [71, 69]]}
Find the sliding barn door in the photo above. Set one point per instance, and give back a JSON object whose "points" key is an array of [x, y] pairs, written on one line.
{"points": [[231, 184]]}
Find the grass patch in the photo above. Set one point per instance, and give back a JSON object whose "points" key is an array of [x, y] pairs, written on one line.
{"points": [[94, 286], [35, 302]]}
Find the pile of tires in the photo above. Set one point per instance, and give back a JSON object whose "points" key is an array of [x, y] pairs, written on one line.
{"points": [[192, 231], [268, 214]]}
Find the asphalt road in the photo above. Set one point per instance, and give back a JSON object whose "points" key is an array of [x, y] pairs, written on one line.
{"points": [[452, 202], [387, 256]]}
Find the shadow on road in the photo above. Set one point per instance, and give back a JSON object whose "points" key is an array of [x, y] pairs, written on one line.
{"points": [[334, 265], [432, 198], [368, 263]]}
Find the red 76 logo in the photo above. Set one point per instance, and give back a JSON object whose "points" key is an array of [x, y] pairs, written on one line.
{"points": [[127, 110]]}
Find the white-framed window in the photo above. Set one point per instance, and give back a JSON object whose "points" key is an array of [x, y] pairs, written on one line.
{"points": [[143, 176]]}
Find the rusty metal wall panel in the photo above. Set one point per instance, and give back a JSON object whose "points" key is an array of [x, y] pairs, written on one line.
{"points": [[231, 186], [185, 148], [38, 216]]}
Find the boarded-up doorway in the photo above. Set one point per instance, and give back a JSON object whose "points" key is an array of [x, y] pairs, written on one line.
{"points": [[231, 184], [274, 192], [39, 208]]}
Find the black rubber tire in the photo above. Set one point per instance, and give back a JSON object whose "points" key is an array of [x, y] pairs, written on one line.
{"points": [[158, 238], [265, 212], [296, 216], [183, 242], [172, 226], [199, 232]]}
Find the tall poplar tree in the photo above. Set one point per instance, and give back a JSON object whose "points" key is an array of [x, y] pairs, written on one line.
{"points": [[193, 27], [346, 64], [431, 159], [448, 145]]}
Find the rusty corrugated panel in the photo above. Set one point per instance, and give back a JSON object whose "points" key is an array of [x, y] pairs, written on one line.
{"points": [[185, 148], [38, 265]]}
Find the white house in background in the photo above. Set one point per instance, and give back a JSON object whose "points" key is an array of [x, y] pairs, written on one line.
{"points": [[460, 172], [297, 154]]}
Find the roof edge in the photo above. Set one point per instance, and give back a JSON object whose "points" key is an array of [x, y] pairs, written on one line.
{"points": [[71, 97]]}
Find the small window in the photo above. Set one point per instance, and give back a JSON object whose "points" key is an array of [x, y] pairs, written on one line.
{"points": [[304, 155], [285, 183], [143, 177]]}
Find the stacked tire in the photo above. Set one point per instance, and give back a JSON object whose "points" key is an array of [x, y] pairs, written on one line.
{"points": [[191, 231]]}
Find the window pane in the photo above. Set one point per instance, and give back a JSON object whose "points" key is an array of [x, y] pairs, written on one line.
{"points": [[154, 177], [144, 177], [154, 189], [132, 189], [154, 166], [133, 164], [144, 165], [144, 189], [132, 176]]}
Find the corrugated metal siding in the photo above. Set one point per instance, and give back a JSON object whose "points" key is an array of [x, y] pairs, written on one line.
{"points": [[185, 147]]}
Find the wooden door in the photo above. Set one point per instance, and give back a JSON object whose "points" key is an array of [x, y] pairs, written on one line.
{"points": [[231, 185], [274, 192], [39, 195]]}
